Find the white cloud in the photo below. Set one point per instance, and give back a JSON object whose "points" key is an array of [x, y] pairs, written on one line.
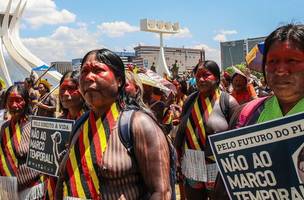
{"points": [[42, 12], [64, 44], [210, 53], [117, 28], [222, 35], [229, 32], [183, 33], [220, 38]]}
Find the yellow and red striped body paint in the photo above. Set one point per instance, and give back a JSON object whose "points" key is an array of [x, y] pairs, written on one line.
{"points": [[85, 156], [10, 142], [195, 130]]}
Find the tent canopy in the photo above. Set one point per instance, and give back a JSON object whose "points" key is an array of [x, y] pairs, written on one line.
{"points": [[43, 68]]}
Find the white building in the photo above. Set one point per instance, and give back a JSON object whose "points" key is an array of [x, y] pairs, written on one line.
{"points": [[62, 66], [16, 61], [186, 58]]}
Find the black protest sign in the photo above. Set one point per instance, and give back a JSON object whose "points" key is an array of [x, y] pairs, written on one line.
{"points": [[48, 139], [264, 161]]}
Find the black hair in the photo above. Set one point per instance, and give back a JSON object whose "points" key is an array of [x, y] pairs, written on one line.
{"points": [[183, 85], [73, 75], [212, 67], [24, 94], [29, 81], [290, 32]]}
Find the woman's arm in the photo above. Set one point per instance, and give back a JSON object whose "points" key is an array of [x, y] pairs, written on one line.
{"points": [[152, 154]]}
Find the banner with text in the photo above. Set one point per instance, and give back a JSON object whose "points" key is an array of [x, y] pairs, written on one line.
{"points": [[264, 161], [48, 140]]}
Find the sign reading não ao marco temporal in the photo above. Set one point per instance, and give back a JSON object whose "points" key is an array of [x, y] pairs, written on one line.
{"points": [[48, 140]]}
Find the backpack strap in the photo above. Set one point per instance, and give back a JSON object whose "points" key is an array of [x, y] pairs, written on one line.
{"points": [[125, 129], [224, 104], [248, 112]]}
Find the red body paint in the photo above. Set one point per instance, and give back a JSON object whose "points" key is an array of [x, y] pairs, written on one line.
{"points": [[284, 56], [15, 102], [205, 74], [68, 86]]}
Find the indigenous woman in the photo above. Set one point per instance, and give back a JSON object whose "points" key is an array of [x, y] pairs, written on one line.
{"points": [[14, 146], [134, 89], [73, 106], [283, 69], [97, 165], [72, 103], [202, 116], [242, 91]]}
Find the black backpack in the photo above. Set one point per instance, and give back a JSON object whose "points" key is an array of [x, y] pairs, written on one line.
{"points": [[126, 138]]}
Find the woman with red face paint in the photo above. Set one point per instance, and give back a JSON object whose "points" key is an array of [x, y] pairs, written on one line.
{"points": [[71, 101], [202, 116], [14, 146], [283, 69], [97, 164], [72, 106], [242, 91], [135, 89]]}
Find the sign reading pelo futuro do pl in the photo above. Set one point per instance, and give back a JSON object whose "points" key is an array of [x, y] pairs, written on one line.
{"points": [[264, 161], [48, 140]]}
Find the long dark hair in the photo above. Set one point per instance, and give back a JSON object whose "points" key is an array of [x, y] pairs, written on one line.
{"points": [[290, 32], [24, 94], [112, 60]]}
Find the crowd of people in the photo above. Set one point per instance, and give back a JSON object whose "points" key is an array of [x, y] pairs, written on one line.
{"points": [[99, 164]]}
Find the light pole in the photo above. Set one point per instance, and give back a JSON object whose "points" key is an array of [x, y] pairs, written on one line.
{"points": [[229, 48], [161, 28], [231, 60]]}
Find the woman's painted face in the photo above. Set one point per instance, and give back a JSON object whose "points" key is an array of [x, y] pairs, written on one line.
{"points": [[98, 83], [15, 103], [285, 71], [205, 80], [131, 88], [69, 94]]}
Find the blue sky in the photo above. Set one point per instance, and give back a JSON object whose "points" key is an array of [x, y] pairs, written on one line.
{"points": [[66, 29]]}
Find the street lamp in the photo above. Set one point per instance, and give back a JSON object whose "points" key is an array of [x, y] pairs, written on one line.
{"points": [[232, 44], [160, 27]]}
